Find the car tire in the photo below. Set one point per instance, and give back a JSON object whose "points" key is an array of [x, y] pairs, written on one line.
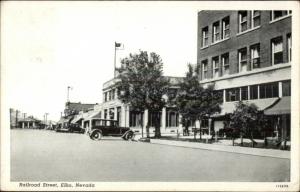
{"points": [[129, 136], [96, 135]]}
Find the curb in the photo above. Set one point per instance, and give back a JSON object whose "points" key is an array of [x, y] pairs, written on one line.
{"points": [[223, 148]]}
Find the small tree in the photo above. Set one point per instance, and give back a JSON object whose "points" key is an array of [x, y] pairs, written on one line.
{"points": [[193, 101], [142, 85], [245, 119]]}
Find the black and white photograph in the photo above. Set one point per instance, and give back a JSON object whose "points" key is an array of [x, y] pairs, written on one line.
{"points": [[150, 96]]}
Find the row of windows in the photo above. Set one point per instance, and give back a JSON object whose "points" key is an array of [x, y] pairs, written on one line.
{"points": [[136, 118], [248, 61], [262, 91], [246, 20], [111, 95]]}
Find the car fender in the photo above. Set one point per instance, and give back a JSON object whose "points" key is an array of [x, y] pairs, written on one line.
{"points": [[126, 133]]}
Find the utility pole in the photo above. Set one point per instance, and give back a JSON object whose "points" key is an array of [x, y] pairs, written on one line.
{"points": [[46, 118], [10, 117], [68, 94]]}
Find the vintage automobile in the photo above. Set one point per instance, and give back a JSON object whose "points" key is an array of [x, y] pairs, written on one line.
{"points": [[69, 128], [106, 127]]}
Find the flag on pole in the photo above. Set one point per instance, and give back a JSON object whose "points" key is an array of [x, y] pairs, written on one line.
{"points": [[117, 44]]}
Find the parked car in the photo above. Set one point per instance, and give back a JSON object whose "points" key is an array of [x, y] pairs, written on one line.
{"points": [[69, 128], [106, 127]]}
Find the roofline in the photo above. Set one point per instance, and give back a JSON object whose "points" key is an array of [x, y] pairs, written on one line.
{"points": [[82, 103]]}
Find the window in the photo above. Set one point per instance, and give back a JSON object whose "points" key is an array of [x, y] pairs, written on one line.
{"points": [[268, 90], [105, 96], [205, 37], [109, 95], [153, 118], [225, 27], [242, 21], [278, 14], [192, 123], [289, 47], [277, 51], [286, 88], [204, 69], [255, 56], [242, 54], [216, 69], [254, 92], [135, 119], [244, 93], [113, 94], [204, 123], [233, 94], [216, 31], [255, 19], [172, 119], [111, 113], [225, 63]]}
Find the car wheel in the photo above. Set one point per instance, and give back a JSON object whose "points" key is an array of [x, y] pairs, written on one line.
{"points": [[129, 136], [96, 135]]}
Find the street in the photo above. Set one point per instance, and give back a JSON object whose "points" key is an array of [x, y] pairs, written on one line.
{"points": [[41, 155]]}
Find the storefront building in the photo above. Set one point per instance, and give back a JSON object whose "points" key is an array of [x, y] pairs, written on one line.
{"points": [[247, 56]]}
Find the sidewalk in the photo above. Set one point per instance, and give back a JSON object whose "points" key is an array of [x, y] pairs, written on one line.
{"points": [[226, 148]]}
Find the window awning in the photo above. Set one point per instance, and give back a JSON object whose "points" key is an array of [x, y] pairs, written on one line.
{"points": [[76, 119], [280, 107], [262, 104], [64, 120], [94, 115]]}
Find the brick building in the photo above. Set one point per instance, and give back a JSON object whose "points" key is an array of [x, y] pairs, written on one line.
{"points": [[74, 113], [247, 56]]}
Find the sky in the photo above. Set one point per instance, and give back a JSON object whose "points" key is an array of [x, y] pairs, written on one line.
{"points": [[48, 46]]}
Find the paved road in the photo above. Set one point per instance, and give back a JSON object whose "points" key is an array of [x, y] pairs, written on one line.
{"points": [[39, 155]]}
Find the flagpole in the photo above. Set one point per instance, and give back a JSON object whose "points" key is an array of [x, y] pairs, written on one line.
{"points": [[115, 61]]}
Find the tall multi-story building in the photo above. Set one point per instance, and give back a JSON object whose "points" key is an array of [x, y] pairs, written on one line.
{"points": [[247, 55]]}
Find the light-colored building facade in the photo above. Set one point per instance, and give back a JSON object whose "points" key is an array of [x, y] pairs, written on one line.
{"points": [[113, 108]]}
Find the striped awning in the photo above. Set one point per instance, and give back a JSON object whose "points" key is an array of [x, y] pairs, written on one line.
{"points": [[76, 119], [280, 107], [94, 115], [262, 104]]}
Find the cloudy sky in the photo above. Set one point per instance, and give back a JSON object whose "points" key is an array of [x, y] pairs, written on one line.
{"points": [[48, 46]]}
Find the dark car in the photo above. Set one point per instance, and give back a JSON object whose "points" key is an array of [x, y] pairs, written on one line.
{"points": [[105, 127], [69, 128]]}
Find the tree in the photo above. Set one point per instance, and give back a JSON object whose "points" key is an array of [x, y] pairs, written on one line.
{"points": [[142, 85], [246, 119], [193, 101]]}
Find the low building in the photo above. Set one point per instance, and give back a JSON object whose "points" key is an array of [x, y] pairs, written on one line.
{"points": [[21, 120], [113, 108], [74, 114], [30, 122]]}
